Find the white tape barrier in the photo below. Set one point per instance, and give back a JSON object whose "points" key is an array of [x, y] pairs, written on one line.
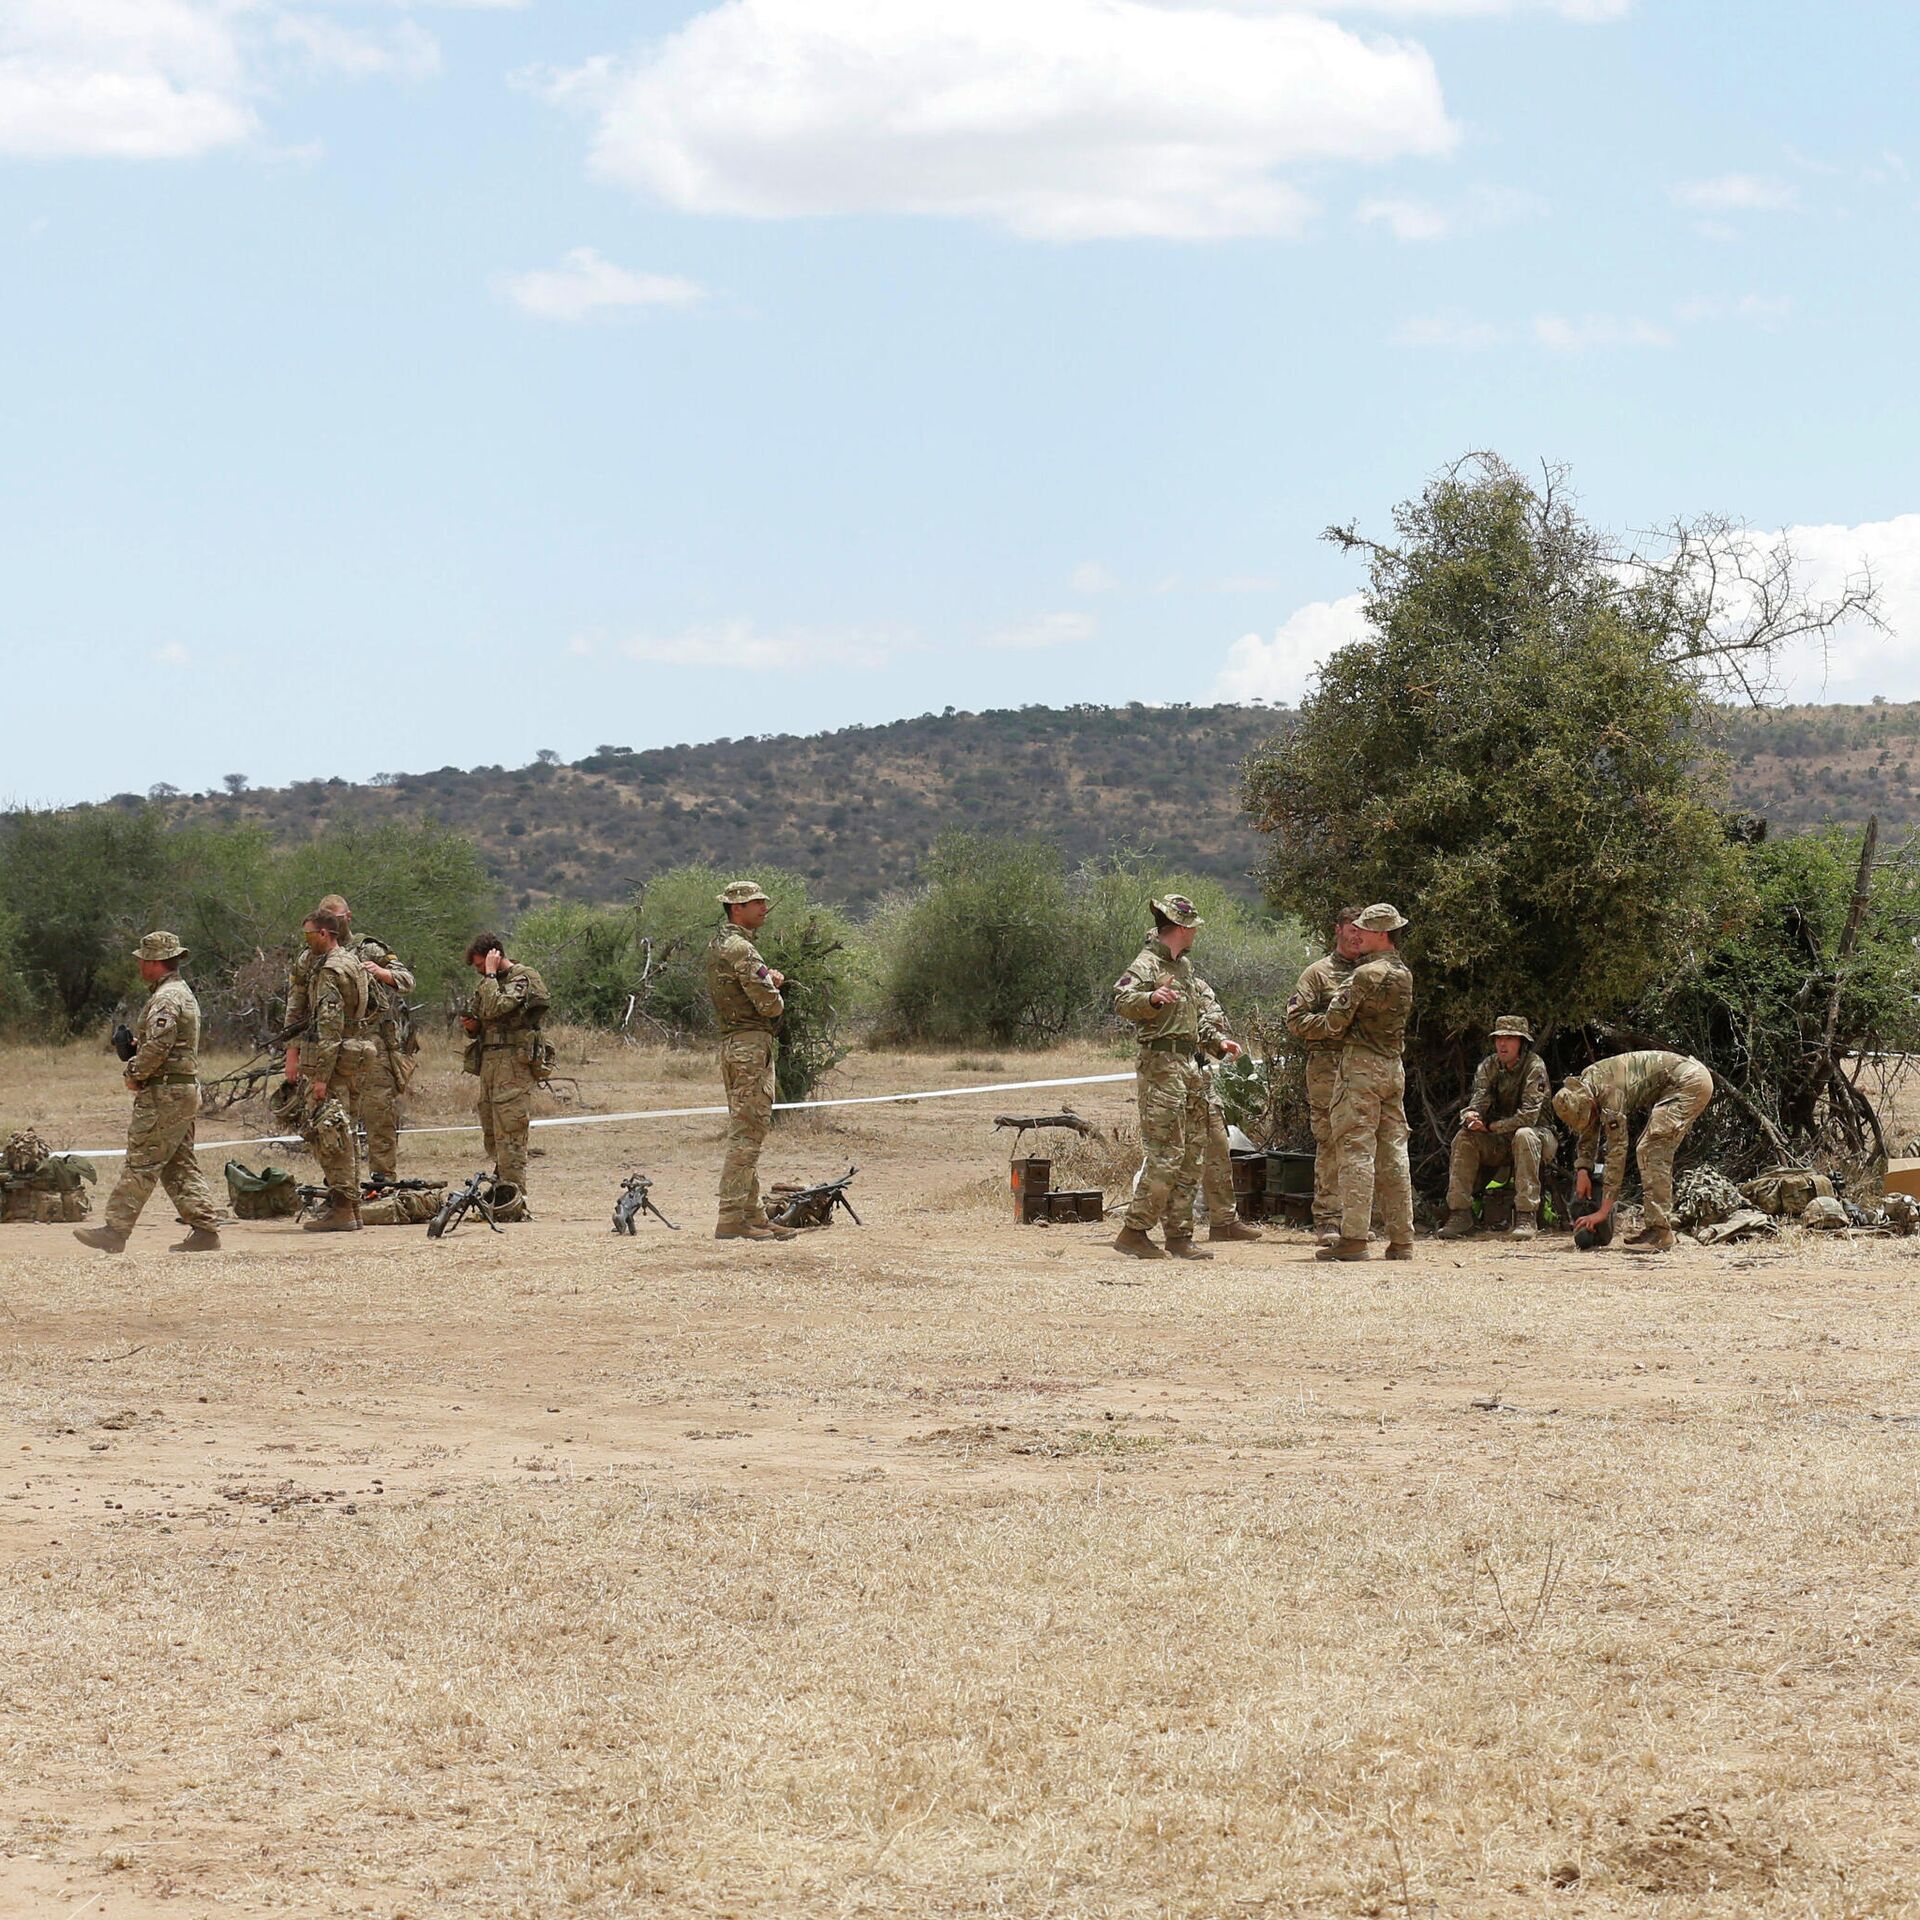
{"points": [[667, 1113]]}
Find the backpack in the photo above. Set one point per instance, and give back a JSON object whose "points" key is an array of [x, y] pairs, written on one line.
{"points": [[43, 1189], [269, 1194]]}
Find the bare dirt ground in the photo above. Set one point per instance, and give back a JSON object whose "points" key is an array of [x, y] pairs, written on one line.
{"points": [[941, 1566]]}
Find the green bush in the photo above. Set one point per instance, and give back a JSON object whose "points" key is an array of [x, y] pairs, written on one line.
{"points": [[589, 957]]}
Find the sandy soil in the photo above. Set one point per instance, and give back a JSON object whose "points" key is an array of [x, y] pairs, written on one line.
{"points": [[940, 1565]]}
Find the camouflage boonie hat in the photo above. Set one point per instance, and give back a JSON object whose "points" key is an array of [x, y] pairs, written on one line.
{"points": [[740, 893], [1514, 1026], [1380, 918], [160, 946], [1574, 1104], [1180, 910]]}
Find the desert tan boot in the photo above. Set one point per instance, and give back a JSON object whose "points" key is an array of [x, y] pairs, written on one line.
{"points": [[1131, 1241], [1231, 1228]]}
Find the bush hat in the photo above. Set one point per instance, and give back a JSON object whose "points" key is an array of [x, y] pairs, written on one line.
{"points": [[1180, 910], [160, 946], [740, 893], [1381, 917], [1513, 1025]]}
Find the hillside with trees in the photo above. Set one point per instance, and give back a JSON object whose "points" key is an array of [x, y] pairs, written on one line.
{"points": [[856, 811]]}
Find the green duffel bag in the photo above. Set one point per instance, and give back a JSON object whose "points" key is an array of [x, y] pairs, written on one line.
{"points": [[270, 1194]]}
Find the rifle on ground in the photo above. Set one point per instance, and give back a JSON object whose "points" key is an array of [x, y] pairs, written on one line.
{"points": [[813, 1206], [479, 1196], [1020, 1123], [636, 1198], [314, 1199]]}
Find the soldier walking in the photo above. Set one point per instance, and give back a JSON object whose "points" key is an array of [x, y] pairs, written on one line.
{"points": [[1672, 1090], [1159, 995], [1312, 995], [747, 1001], [1504, 1125], [332, 1066], [1368, 1017], [163, 1076], [505, 1051]]}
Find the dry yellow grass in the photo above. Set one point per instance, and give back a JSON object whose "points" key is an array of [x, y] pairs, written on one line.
{"points": [[936, 1568]]}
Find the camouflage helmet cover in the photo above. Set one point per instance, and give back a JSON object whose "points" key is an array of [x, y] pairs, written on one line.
{"points": [[740, 893], [1381, 917], [160, 946], [1514, 1026], [1177, 908]]}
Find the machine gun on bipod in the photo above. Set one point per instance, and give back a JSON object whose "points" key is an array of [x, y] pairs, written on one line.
{"points": [[636, 1198], [812, 1206], [492, 1199]]}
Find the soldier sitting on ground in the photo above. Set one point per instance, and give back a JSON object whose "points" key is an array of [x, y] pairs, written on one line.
{"points": [[1672, 1090], [1505, 1125]]}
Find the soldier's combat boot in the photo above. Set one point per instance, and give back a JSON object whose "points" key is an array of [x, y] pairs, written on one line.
{"points": [[340, 1214], [107, 1239], [1326, 1235], [1131, 1241], [752, 1230], [1523, 1228], [1186, 1250], [1651, 1240], [1231, 1228], [1459, 1224], [1339, 1249], [1400, 1250], [199, 1240]]}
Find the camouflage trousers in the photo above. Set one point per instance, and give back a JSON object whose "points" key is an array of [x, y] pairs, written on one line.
{"points": [[746, 1069], [1369, 1121], [1323, 1069], [1525, 1150], [1172, 1096], [1669, 1122], [1216, 1179], [160, 1151], [507, 1081], [328, 1126], [380, 1093]]}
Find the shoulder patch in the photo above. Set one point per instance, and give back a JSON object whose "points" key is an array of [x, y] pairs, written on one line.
{"points": [[1125, 980]]}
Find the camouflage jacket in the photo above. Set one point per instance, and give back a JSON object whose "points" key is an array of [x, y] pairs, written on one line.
{"points": [[509, 1004], [167, 1033], [1312, 994], [386, 1001], [740, 984], [1192, 1016], [1627, 1084], [1213, 1017], [337, 997], [1369, 1009], [1509, 1098]]}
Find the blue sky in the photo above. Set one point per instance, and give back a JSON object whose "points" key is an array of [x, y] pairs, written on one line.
{"points": [[388, 386]]}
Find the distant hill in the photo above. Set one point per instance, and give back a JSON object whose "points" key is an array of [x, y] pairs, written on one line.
{"points": [[855, 810]]}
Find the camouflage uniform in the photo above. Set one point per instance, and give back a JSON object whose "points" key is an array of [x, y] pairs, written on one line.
{"points": [[1673, 1090], [506, 1055], [392, 1067], [335, 1052], [1312, 995], [166, 1111], [1368, 1119], [1171, 1087], [748, 1007], [1513, 1103]]}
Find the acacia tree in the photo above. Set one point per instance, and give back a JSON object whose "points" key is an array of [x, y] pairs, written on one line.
{"points": [[1519, 755]]}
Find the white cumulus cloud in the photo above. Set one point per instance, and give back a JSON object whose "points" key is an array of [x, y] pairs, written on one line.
{"points": [[129, 79], [1281, 669], [1057, 119], [584, 284], [1858, 661], [1735, 193], [741, 647], [1589, 332], [1050, 630]]}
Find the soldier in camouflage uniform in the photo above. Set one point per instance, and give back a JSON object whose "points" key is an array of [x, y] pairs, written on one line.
{"points": [[164, 1078], [332, 1065], [1672, 1089], [506, 1052], [1160, 996], [392, 1068], [747, 1002], [1223, 1218], [1312, 995], [1368, 1017], [1504, 1125]]}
